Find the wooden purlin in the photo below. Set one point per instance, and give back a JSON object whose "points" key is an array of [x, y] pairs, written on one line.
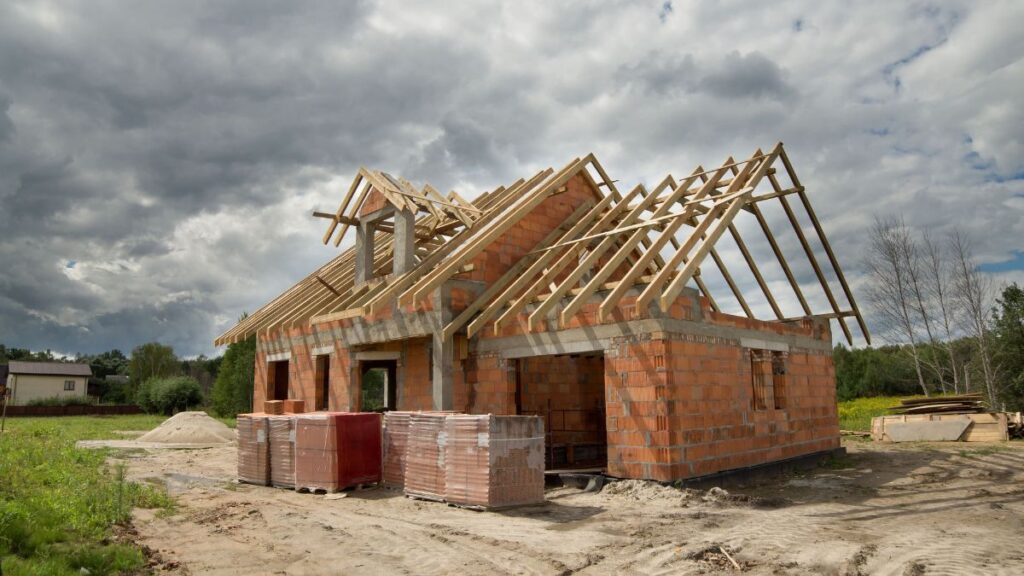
{"points": [[654, 287], [511, 274], [489, 231], [547, 274], [828, 247], [667, 234], [412, 280]]}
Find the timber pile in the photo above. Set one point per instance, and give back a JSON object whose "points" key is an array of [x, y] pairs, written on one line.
{"points": [[962, 404]]}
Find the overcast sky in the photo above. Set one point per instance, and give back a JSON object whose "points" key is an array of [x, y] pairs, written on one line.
{"points": [[159, 161]]}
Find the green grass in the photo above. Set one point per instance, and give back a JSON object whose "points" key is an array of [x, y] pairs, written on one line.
{"points": [[59, 504], [857, 414]]}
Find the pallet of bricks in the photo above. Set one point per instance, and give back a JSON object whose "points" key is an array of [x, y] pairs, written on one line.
{"points": [[474, 461], [337, 450]]}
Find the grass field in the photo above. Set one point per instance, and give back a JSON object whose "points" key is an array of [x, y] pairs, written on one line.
{"points": [[857, 414], [59, 505]]}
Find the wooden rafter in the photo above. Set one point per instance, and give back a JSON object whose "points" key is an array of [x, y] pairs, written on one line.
{"points": [[609, 247]]}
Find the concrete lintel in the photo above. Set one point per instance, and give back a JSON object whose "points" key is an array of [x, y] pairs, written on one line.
{"points": [[279, 357], [322, 350], [379, 214], [761, 344], [378, 355], [593, 338]]}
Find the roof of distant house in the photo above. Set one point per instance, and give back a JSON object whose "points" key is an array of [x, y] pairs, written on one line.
{"points": [[49, 368]]}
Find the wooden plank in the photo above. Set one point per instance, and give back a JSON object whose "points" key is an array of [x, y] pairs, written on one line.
{"points": [[753, 268], [781, 258], [490, 231], [341, 208], [512, 273], [714, 233], [538, 267], [592, 259]]}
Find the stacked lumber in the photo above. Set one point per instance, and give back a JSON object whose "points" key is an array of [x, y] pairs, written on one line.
{"points": [[253, 449], [424, 460], [962, 404], [282, 451], [494, 461]]}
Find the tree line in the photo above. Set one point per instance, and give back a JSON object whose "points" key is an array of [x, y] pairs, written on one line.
{"points": [[950, 330], [156, 379]]}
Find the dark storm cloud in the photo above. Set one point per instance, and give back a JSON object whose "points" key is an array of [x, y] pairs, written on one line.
{"points": [[173, 151]]}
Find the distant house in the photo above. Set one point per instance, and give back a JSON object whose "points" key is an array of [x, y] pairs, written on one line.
{"points": [[34, 380]]}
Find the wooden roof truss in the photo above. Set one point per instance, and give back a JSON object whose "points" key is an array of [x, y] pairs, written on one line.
{"points": [[654, 241]]}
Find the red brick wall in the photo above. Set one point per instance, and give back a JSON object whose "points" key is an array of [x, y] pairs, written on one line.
{"points": [[374, 201], [523, 236], [569, 391], [489, 386], [679, 409]]}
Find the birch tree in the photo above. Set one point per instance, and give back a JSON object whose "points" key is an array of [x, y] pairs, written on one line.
{"points": [[890, 292], [973, 293]]}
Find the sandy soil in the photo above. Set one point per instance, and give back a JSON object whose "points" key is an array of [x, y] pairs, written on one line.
{"points": [[885, 509]]}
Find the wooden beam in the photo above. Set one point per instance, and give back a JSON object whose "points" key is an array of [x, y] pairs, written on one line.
{"points": [[512, 273], [713, 234]]}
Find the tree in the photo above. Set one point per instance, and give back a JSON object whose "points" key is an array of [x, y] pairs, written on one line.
{"points": [[1008, 328], [152, 360], [891, 261], [973, 293], [232, 391]]}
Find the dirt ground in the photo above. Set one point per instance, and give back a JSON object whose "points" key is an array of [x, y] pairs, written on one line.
{"points": [[884, 509]]}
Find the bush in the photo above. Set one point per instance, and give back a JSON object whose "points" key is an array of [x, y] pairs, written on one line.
{"points": [[165, 395], [62, 401]]}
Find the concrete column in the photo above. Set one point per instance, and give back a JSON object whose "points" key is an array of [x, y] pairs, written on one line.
{"points": [[443, 361], [364, 252], [443, 354], [405, 241]]}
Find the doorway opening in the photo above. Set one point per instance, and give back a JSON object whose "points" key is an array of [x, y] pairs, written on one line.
{"points": [[277, 380], [567, 390], [322, 393], [378, 390]]}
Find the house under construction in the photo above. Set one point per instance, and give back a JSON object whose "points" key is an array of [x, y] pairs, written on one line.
{"points": [[561, 296]]}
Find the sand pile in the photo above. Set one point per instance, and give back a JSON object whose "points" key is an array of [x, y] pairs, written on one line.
{"points": [[190, 428]]}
